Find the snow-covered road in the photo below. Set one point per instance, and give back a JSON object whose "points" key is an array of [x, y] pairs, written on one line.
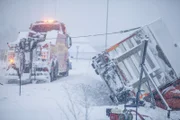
{"points": [[76, 97], [50, 101]]}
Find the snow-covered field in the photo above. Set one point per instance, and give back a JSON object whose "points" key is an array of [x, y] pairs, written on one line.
{"points": [[80, 96]]}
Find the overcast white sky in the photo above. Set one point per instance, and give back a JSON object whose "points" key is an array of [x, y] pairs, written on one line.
{"points": [[84, 17]]}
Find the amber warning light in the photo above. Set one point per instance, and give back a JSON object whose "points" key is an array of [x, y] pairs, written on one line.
{"points": [[11, 61], [49, 21]]}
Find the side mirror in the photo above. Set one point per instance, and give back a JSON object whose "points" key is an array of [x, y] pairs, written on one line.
{"points": [[69, 41]]}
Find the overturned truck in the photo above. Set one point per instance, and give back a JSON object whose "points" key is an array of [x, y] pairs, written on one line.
{"points": [[119, 67]]}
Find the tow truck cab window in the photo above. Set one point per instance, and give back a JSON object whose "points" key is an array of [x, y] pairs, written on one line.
{"points": [[45, 27]]}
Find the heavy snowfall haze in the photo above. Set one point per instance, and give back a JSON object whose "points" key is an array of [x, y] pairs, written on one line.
{"points": [[84, 17]]}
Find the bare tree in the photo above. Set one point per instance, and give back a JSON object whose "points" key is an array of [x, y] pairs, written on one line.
{"points": [[71, 107], [63, 111], [85, 101], [60, 107]]}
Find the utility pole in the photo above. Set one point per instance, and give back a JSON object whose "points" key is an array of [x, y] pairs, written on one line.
{"points": [[107, 15], [54, 4], [55, 8]]}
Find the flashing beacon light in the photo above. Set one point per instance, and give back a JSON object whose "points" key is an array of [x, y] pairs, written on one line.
{"points": [[11, 61], [49, 21]]}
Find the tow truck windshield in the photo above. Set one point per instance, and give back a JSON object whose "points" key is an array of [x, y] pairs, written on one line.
{"points": [[45, 27]]}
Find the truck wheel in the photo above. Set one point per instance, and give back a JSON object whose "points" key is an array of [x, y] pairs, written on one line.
{"points": [[51, 76], [56, 71], [66, 73], [94, 57], [93, 65], [114, 99], [96, 72]]}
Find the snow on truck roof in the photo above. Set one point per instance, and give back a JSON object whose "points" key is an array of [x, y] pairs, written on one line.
{"points": [[45, 26], [47, 21], [50, 37], [55, 22]]}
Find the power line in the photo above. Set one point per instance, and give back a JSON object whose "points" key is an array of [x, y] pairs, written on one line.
{"points": [[110, 33], [100, 34]]}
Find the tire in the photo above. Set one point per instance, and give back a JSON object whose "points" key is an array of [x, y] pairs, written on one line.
{"points": [[122, 117], [66, 73], [56, 71], [96, 72], [114, 99], [51, 76], [93, 65], [130, 116], [94, 57]]}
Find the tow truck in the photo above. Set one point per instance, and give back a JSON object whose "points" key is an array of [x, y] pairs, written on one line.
{"points": [[49, 58]]}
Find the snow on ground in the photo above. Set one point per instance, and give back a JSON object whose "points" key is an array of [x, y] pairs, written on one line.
{"points": [[68, 98]]}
